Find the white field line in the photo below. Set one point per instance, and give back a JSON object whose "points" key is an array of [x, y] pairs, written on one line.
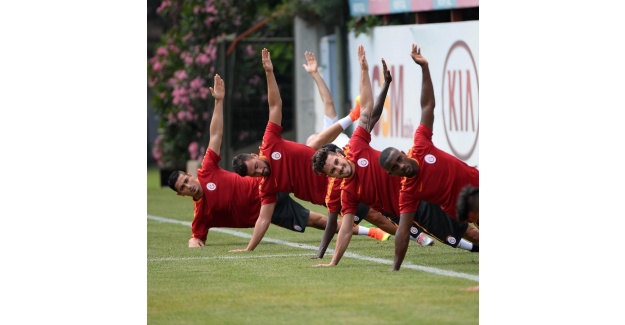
{"points": [[329, 251], [221, 257]]}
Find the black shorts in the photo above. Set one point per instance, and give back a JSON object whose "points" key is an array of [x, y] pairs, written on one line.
{"points": [[289, 214], [414, 231], [438, 224]]}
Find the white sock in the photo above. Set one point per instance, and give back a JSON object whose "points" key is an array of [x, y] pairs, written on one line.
{"points": [[345, 122], [363, 230], [465, 244]]}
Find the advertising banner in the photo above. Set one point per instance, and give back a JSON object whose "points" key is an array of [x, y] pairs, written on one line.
{"points": [[452, 50]]}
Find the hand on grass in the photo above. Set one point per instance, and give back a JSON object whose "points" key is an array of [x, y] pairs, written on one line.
{"points": [[195, 242], [329, 264], [238, 250]]}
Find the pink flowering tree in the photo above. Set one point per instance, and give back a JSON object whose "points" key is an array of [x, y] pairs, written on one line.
{"points": [[183, 68], [186, 60]]}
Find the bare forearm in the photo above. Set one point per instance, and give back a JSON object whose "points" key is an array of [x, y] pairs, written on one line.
{"points": [[328, 234], [216, 127], [274, 99], [379, 105], [326, 96], [261, 226], [344, 237], [402, 239], [427, 90]]}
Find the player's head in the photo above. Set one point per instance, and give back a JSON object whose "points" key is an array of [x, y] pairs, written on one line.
{"points": [[252, 165], [184, 183], [333, 164], [396, 163], [468, 205]]}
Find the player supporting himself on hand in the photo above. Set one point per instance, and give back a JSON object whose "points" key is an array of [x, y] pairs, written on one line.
{"points": [[427, 173], [282, 166], [364, 181], [225, 199]]}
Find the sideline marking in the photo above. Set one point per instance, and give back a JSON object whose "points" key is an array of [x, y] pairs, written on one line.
{"points": [[221, 257], [330, 251]]}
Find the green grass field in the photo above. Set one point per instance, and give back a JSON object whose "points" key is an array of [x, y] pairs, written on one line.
{"points": [[276, 283]]}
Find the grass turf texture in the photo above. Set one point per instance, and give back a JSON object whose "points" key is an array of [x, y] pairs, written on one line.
{"points": [[276, 284]]}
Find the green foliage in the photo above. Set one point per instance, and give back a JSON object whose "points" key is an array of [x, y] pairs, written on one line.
{"points": [[182, 69]]}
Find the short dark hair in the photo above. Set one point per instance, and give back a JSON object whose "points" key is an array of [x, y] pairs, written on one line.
{"points": [[319, 159], [333, 148], [238, 163], [463, 206], [173, 178], [384, 155]]}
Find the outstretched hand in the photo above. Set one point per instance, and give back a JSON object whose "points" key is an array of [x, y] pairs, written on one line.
{"points": [[311, 62], [361, 57], [267, 65], [325, 265], [387, 74], [219, 91], [416, 56], [237, 250]]}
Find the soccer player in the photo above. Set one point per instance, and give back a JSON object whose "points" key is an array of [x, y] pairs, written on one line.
{"points": [[366, 182], [283, 165], [330, 118], [427, 172], [225, 199]]}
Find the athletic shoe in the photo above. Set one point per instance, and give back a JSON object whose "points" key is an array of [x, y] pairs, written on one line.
{"points": [[424, 240], [354, 114], [378, 234]]}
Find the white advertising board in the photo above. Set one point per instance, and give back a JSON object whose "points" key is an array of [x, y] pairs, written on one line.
{"points": [[452, 50]]}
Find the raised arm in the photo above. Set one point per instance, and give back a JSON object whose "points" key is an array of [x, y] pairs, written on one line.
{"points": [[366, 93], [379, 104], [217, 121], [326, 97], [273, 92], [427, 90]]}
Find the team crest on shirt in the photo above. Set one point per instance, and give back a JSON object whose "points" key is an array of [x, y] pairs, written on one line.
{"points": [[363, 162], [430, 159], [211, 186], [276, 155], [451, 240], [414, 230]]}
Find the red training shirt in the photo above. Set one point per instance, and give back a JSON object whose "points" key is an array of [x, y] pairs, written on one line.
{"points": [[291, 169], [229, 200], [440, 178]]}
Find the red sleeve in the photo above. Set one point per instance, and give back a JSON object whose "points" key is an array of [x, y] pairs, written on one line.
{"points": [[272, 135], [266, 190], [199, 226], [423, 134], [211, 160], [333, 195], [407, 201], [349, 202]]}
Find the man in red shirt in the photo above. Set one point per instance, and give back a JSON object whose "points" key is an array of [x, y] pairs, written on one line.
{"points": [[283, 165], [427, 173], [365, 181], [225, 199]]}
